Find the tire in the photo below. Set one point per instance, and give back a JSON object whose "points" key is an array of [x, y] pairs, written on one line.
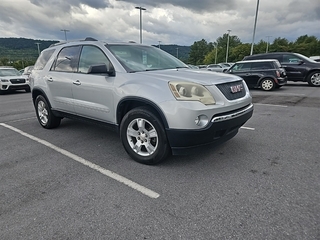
{"points": [[267, 84], [44, 113], [146, 143], [314, 79]]}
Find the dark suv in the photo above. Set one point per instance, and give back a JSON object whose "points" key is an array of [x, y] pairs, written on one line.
{"points": [[265, 74], [298, 67]]}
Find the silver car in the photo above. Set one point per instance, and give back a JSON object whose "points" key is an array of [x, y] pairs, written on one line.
{"points": [[157, 103]]}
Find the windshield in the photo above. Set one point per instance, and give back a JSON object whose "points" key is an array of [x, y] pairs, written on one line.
{"points": [[138, 58], [9, 72]]}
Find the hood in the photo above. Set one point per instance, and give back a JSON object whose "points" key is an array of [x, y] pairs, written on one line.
{"points": [[203, 77]]}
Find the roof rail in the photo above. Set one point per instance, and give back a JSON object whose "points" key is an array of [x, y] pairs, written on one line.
{"points": [[63, 42], [90, 39]]}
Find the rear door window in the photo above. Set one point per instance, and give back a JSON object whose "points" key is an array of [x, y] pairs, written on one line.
{"points": [[290, 58], [261, 65], [67, 60]]}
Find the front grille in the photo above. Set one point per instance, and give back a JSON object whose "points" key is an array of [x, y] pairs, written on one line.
{"points": [[17, 81], [232, 90]]}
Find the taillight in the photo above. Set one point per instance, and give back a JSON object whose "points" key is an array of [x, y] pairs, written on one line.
{"points": [[278, 74]]}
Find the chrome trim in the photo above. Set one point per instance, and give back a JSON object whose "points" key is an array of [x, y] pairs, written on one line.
{"points": [[232, 115]]}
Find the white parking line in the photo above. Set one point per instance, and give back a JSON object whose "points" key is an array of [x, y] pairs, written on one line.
{"points": [[248, 128], [272, 105], [91, 165]]}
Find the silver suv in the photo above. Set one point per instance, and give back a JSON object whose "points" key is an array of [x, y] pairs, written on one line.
{"points": [[156, 102]]}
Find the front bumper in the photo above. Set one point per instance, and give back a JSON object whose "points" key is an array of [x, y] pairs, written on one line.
{"points": [[220, 129], [5, 87]]}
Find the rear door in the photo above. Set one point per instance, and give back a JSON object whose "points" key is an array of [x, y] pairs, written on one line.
{"points": [[60, 78]]}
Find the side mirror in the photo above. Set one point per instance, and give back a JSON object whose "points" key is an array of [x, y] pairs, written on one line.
{"points": [[301, 62], [102, 68]]}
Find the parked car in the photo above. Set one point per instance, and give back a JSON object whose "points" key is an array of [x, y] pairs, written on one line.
{"points": [[11, 79], [298, 67], [26, 70], [315, 58], [228, 64], [217, 67], [156, 102], [266, 74]]}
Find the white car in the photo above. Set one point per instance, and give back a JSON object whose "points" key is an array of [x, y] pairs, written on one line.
{"points": [[11, 79], [217, 67]]}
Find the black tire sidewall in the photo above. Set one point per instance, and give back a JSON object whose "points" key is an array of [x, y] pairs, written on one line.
{"points": [[163, 147], [266, 79], [53, 121], [309, 79]]}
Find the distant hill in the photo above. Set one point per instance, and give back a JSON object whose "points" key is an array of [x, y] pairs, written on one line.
{"points": [[15, 49], [182, 52]]}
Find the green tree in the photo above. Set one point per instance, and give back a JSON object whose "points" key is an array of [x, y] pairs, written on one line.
{"points": [[198, 51], [239, 52]]}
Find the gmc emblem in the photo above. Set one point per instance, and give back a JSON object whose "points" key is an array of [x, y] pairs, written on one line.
{"points": [[236, 88]]}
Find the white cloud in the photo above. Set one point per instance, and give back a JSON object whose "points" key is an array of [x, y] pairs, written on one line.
{"points": [[171, 21]]}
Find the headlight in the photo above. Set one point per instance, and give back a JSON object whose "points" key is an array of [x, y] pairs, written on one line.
{"points": [[187, 91], [4, 80]]}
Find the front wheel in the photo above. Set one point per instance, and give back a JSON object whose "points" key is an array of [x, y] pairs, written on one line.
{"points": [[44, 113], [314, 79], [143, 136], [267, 84]]}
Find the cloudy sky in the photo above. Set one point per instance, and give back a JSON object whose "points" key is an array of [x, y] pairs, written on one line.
{"points": [[180, 22]]}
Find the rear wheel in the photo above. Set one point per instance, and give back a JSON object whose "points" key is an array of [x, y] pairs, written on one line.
{"points": [[44, 113], [143, 136], [314, 79], [267, 84]]}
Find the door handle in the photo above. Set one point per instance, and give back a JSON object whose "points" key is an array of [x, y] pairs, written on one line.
{"points": [[77, 83], [49, 79]]}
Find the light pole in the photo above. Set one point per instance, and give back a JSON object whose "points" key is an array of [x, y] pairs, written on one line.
{"points": [[38, 47], [268, 43], [65, 32], [177, 52], [227, 46], [215, 59], [159, 43], [254, 28], [141, 8]]}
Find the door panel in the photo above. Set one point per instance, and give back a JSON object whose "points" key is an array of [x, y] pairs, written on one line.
{"points": [[60, 85], [92, 93], [93, 96]]}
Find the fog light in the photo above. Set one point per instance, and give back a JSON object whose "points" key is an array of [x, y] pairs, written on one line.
{"points": [[201, 120]]}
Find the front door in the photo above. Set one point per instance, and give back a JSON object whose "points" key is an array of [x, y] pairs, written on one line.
{"points": [[92, 93]]}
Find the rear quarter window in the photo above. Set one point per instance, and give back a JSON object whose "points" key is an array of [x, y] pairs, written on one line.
{"points": [[43, 59]]}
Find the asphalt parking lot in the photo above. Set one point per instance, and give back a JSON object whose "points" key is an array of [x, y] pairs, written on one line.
{"points": [[77, 182]]}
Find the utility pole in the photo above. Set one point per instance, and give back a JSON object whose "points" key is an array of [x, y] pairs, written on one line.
{"points": [[141, 8], [268, 43], [159, 43], [177, 52], [215, 59], [65, 32], [227, 46], [38, 47], [254, 28]]}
